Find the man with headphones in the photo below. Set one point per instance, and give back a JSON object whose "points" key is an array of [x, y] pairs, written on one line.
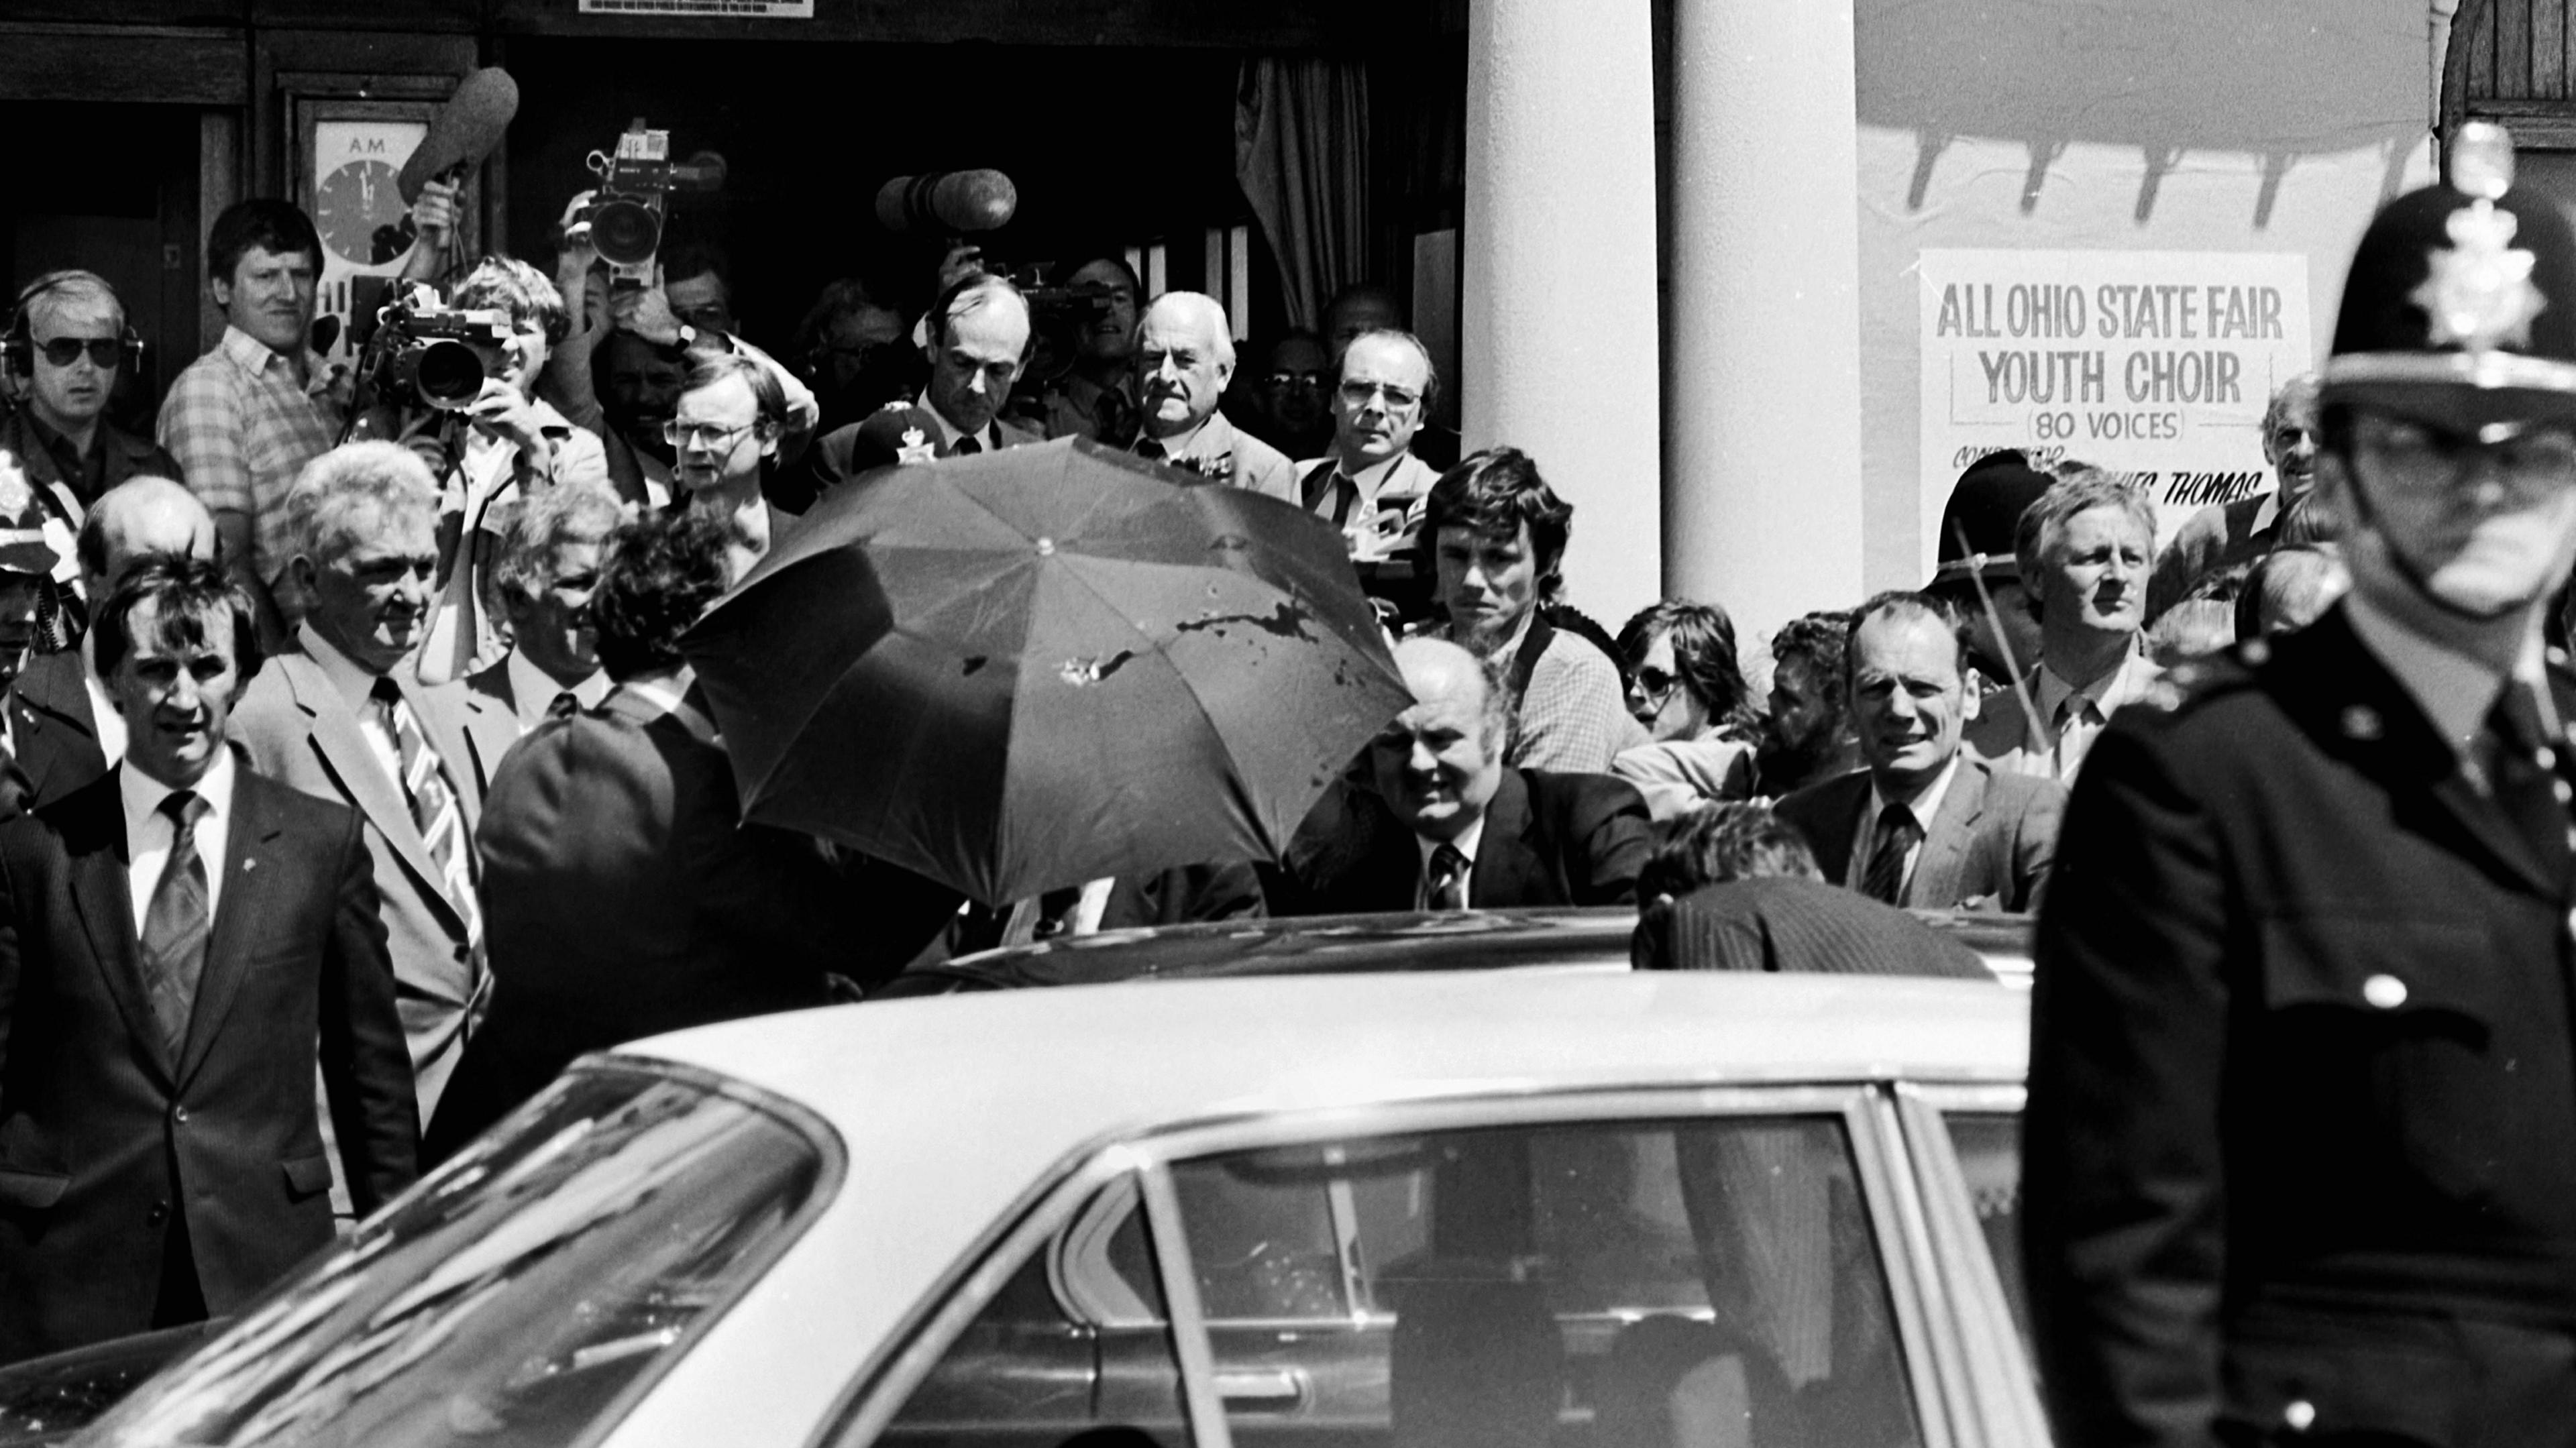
{"points": [[2300, 1155], [67, 345]]}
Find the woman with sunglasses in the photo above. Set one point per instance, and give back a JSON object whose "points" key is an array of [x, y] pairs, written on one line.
{"points": [[1688, 690]]}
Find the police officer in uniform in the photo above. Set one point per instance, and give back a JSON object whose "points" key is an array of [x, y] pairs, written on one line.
{"points": [[2301, 1148]]}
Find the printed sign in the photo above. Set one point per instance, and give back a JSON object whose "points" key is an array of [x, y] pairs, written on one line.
{"points": [[2154, 365], [752, 9]]}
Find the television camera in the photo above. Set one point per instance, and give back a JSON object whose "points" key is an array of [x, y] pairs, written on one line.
{"points": [[623, 220]]}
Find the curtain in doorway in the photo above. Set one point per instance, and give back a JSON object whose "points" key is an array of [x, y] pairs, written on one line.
{"points": [[1301, 155]]}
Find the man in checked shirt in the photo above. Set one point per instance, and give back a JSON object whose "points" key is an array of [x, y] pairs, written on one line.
{"points": [[245, 418]]}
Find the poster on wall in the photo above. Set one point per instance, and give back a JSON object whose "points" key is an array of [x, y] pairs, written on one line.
{"points": [[357, 206], [2156, 365]]}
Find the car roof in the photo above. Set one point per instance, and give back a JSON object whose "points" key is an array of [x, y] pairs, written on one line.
{"points": [[1356, 944], [1140, 1055]]}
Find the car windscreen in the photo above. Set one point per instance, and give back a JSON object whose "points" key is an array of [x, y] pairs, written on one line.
{"points": [[565, 1258]]}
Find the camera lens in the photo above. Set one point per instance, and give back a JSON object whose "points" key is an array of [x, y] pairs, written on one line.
{"points": [[448, 374], [625, 232]]}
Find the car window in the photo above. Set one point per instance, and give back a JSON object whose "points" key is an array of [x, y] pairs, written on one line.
{"points": [[1988, 1145], [556, 1264], [1580, 1284], [1027, 1373]]}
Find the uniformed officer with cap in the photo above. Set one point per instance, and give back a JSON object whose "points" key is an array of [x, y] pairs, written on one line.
{"points": [[2301, 1147], [1975, 569]]}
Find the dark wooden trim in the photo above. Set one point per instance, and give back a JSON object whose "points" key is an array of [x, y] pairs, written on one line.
{"points": [[1301, 25], [2536, 125], [175, 65], [450, 16], [2456, 65]]}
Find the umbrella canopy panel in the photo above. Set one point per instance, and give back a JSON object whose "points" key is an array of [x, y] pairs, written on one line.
{"points": [[1026, 669]]}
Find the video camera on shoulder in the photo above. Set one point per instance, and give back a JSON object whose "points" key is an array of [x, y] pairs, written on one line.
{"points": [[423, 351], [623, 221]]}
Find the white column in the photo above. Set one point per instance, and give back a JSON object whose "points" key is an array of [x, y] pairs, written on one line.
{"points": [[1762, 483], [1557, 307]]}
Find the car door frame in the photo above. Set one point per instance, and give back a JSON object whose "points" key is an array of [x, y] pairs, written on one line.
{"points": [[1946, 1375]]}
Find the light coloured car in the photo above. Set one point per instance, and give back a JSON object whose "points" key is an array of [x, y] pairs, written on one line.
{"points": [[1512, 1207]]}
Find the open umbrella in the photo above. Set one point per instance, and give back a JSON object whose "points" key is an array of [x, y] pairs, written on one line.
{"points": [[1020, 670]]}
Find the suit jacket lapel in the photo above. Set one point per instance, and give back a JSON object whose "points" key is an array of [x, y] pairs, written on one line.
{"points": [[253, 832], [93, 832], [1507, 871], [1845, 801], [363, 781], [1938, 869]]}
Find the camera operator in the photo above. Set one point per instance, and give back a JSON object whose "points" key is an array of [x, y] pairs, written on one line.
{"points": [[639, 389], [490, 454], [697, 280], [1092, 398], [245, 418]]}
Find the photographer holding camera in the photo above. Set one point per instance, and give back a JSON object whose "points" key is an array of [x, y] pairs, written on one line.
{"points": [[1092, 398], [490, 448]]}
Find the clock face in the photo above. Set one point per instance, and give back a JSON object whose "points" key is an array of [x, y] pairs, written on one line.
{"points": [[352, 204]]}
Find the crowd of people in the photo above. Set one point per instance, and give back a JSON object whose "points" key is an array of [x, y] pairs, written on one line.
{"points": [[341, 717]]}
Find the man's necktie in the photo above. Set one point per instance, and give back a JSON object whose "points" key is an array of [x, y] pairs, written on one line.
{"points": [[1445, 887], [434, 809], [966, 443], [1897, 834], [174, 928], [2523, 774], [565, 705], [1326, 485], [1150, 449]]}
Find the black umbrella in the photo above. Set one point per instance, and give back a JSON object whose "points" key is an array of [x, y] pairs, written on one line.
{"points": [[1024, 669]]}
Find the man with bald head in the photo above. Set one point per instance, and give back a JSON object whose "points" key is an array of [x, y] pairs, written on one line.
{"points": [[1184, 359], [1448, 826], [63, 726]]}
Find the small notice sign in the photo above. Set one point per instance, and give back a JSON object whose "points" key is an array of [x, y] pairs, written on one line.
{"points": [[751, 9], [2155, 365]]}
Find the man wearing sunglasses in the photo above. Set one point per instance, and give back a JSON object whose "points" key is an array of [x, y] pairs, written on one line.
{"points": [[66, 348], [2301, 1142]]}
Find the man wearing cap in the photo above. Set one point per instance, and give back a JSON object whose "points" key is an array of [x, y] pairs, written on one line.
{"points": [[2300, 1157], [2225, 539], [1977, 573]]}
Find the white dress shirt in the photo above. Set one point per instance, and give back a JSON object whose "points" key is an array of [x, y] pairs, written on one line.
{"points": [[533, 690], [359, 687], [2456, 692], [149, 833], [1466, 843], [1924, 804], [990, 439], [2088, 707]]}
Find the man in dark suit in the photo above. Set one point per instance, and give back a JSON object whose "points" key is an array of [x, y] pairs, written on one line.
{"points": [[1926, 823], [175, 938], [2301, 1144], [341, 717], [977, 338], [61, 724], [623, 893], [1450, 826]]}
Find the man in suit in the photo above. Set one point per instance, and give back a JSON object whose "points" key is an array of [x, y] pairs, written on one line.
{"points": [[1450, 826], [341, 717], [2224, 540], [625, 895], [62, 725], [548, 565], [2301, 1144], [175, 939], [1184, 359], [977, 339], [2082, 551], [1925, 823]]}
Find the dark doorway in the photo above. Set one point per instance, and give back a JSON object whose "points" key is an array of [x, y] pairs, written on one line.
{"points": [[113, 188]]}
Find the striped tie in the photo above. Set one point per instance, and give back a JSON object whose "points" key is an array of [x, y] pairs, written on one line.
{"points": [[176, 923], [433, 807]]}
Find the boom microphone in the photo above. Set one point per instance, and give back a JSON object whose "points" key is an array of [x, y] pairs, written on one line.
{"points": [[465, 130], [947, 200]]}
